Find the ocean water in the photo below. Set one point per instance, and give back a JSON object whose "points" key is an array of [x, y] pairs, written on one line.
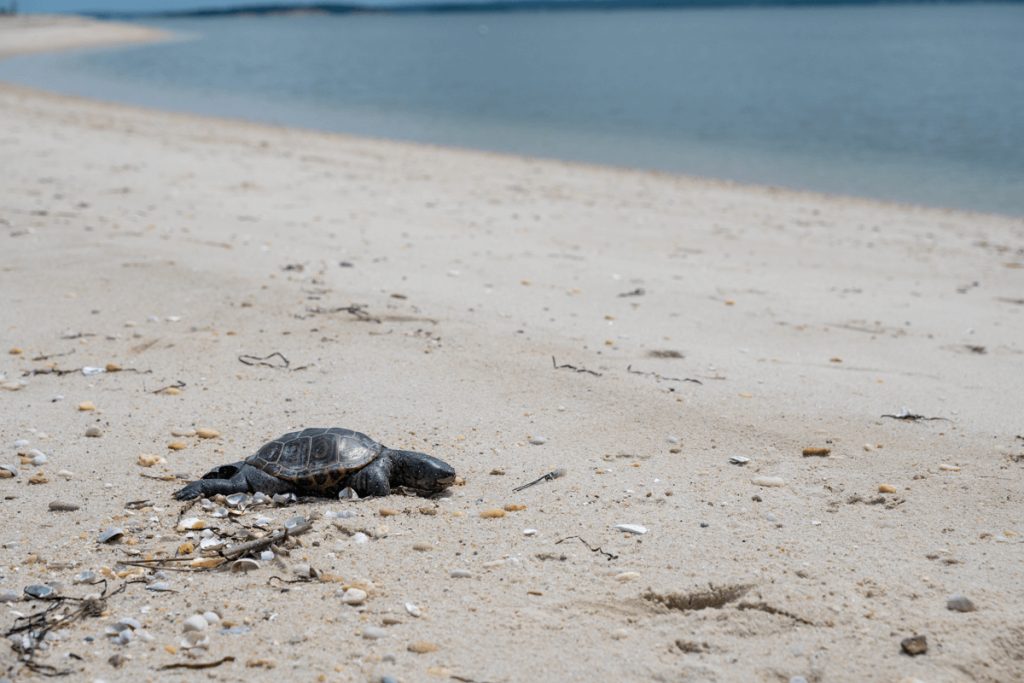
{"points": [[914, 103]]}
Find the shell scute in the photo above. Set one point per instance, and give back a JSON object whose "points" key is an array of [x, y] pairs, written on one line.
{"points": [[316, 458]]}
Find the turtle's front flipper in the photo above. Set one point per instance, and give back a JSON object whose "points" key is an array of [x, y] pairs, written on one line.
{"points": [[372, 480], [246, 479]]}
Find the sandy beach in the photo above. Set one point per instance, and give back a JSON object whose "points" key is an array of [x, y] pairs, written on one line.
{"points": [[420, 295]]}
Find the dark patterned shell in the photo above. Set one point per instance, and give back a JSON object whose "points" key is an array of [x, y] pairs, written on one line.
{"points": [[317, 457]]}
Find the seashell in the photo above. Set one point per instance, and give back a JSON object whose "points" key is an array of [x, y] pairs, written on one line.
{"points": [[238, 500], [219, 513], [413, 610], [87, 576], [631, 528], [739, 460], [8, 471], [284, 498], [191, 524], [244, 565], [295, 522], [111, 534], [348, 493]]}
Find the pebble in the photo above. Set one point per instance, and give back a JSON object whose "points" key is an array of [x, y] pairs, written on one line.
{"points": [[207, 562], [673, 439], [360, 537], [815, 451], [422, 647], [191, 524], [61, 506], [196, 622], [86, 406], [211, 617], [38, 478], [67, 474], [182, 431], [111, 534], [21, 443], [89, 371], [627, 576], [354, 596], [9, 596], [915, 645], [93, 431], [538, 440], [38, 457], [632, 528], [494, 513], [39, 591], [460, 574], [422, 547], [413, 610], [149, 460], [949, 468], [84, 577], [768, 481], [387, 512], [960, 603], [14, 385], [177, 446], [887, 488], [374, 633], [207, 433]]}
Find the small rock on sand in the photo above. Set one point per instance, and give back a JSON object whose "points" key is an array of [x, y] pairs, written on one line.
{"points": [[770, 482], [914, 645], [960, 603]]}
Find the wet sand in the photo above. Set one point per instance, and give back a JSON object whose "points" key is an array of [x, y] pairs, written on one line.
{"points": [[693, 321]]}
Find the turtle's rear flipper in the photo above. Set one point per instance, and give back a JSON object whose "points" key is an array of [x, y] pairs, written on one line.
{"points": [[246, 479]]}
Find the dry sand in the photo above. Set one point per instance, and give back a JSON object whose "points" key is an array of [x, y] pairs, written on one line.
{"points": [[171, 244]]}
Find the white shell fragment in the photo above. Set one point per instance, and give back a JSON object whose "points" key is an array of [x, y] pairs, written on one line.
{"points": [[632, 528], [739, 460], [771, 482], [244, 565], [354, 596], [413, 609], [191, 524], [196, 622]]}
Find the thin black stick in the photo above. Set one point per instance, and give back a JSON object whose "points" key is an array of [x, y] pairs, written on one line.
{"points": [[630, 370], [566, 366], [593, 549]]}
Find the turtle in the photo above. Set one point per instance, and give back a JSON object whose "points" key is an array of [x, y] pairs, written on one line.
{"points": [[322, 462]]}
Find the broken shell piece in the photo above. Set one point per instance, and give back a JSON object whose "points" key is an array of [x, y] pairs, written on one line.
{"points": [[148, 460], [87, 576], [8, 471], [770, 482], [207, 433], [179, 431], [295, 522], [632, 528], [238, 500], [219, 512], [284, 498], [354, 596], [244, 565], [191, 524], [348, 493], [111, 534], [207, 562], [89, 371], [413, 609], [40, 591], [739, 460]]}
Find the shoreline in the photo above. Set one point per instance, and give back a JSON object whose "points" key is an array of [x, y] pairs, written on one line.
{"points": [[421, 295]]}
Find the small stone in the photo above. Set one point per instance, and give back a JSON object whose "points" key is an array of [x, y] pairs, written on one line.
{"points": [[15, 351], [191, 524], [86, 406], [177, 446], [816, 452], [171, 391], [211, 617], [20, 444], [112, 367], [37, 457], [207, 433], [960, 603], [354, 596], [183, 431], [422, 547], [374, 633], [196, 622], [111, 534], [887, 488], [949, 468], [529, 532], [422, 647], [627, 576], [149, 460], [460, 573], [14, 385], [387, 512], [413, 610], [915, 645], [538, 440], [360, 537], [771, 482], [495, 513], [66, 474], [631, 528], [498, 472], [87, 576], [9, 596], [40, 591], [38, 478], [513, 507], [61, 506]]}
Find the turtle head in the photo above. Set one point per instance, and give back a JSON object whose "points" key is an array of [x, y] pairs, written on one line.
{"points": [[420, 471]]}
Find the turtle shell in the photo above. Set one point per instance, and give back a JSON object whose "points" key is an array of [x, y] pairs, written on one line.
{"points": [[316, 458]]}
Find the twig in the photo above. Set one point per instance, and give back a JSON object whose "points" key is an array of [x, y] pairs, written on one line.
{"points": [[550, 476], [233, 552], [48, 371], [177, 385], [630, 370], [248, 359], [196, 665], [357, 310], [78, 335], [908, 416], [566, 366], [591, 548], [639, 291], [48, 356]]}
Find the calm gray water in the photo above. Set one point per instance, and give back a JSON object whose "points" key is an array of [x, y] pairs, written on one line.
{"points": [[914, 103]]}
